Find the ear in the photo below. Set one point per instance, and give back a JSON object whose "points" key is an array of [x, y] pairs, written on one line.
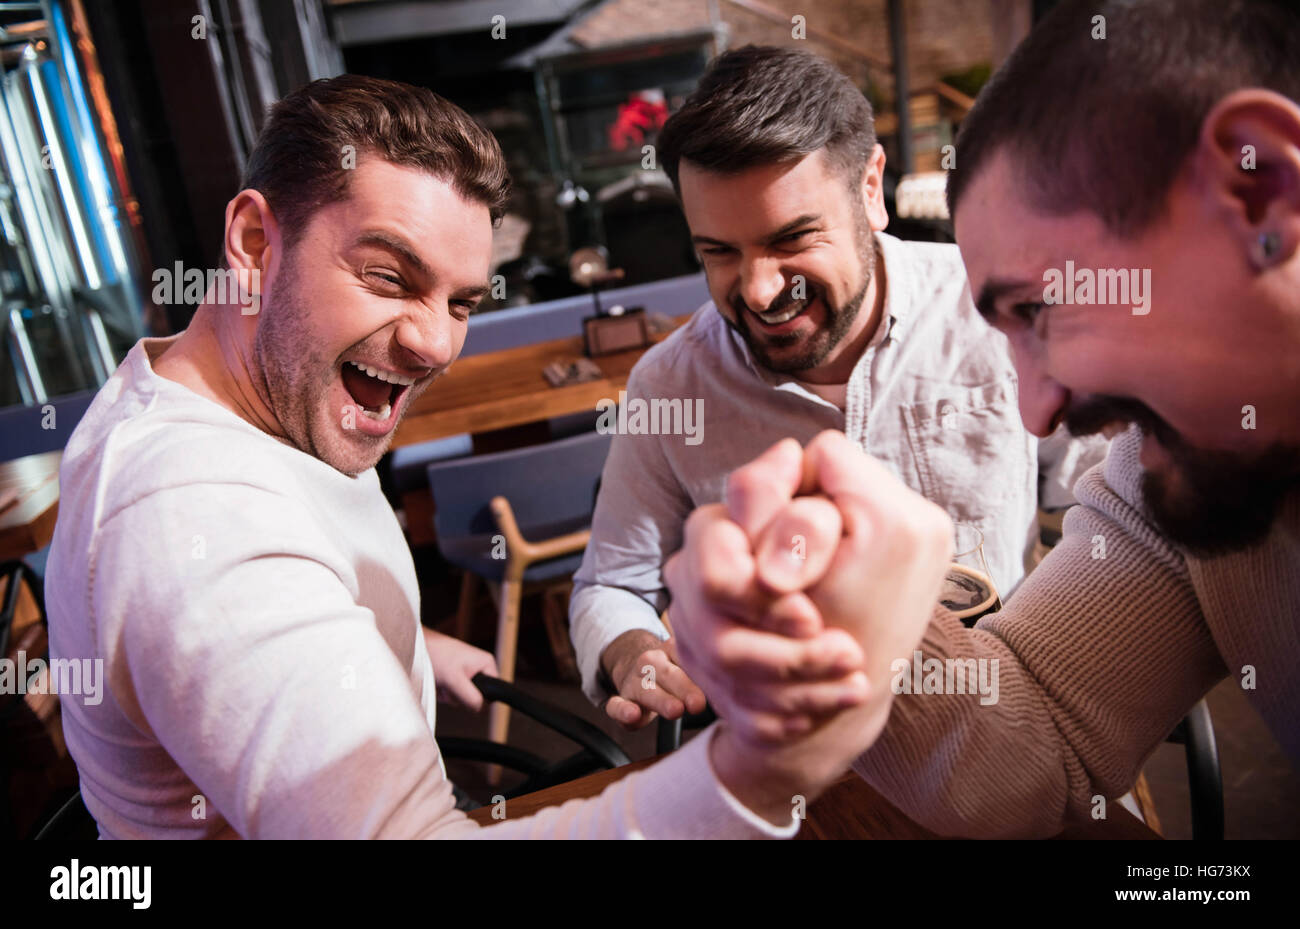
{"points": [[1248, 154], [873, 189], [252, 235]]}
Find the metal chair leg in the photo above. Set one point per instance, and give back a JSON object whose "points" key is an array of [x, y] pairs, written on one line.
{"points": [[1204, 773]]}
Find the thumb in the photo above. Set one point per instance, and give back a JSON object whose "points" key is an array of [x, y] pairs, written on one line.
{"points": [[798, 545], [755, 492]]}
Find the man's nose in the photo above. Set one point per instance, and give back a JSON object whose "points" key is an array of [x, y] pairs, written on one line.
{"points": [[1042, 400], [761, 282], [426, 332]]}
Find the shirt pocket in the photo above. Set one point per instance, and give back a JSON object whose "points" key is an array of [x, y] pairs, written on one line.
{"points": [[971, 451]]}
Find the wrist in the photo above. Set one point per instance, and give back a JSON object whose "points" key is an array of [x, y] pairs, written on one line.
{"points": [[766, 789], [624, 649]]}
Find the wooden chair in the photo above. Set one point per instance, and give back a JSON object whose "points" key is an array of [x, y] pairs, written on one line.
{"points": [[520, 555], [518, 518]]}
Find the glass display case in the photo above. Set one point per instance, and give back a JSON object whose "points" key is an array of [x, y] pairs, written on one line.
{"points": [[69, 279]]}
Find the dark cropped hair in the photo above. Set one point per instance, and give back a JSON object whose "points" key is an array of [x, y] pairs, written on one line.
{"points": [[1105, 124], [763, 105], [298, 162]]}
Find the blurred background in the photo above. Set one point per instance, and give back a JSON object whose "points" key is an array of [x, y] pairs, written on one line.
{"points": [[124, 127]]}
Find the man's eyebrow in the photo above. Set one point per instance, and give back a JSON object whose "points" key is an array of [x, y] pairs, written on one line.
{"points": [[994, 290], [397, 246], [474, 291], [806, 219]]}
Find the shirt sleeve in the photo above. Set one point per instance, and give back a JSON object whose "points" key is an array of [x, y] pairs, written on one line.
{"points": [[678, 797], [1093, 662], [637, 524]]}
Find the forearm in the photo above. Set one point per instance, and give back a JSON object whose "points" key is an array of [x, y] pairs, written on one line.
{"points": [[964, 767], [1091, 664], [683, 796]]}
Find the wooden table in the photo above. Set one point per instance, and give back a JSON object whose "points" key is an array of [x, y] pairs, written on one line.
{"points": [[497, 390], [29, 524], [849, 809]]}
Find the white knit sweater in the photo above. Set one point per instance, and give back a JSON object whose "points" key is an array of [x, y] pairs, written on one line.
{"points": [[257, 616]]}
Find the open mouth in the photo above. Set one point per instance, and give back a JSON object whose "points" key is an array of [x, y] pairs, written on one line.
{"points": [[375, 391], [774, 319]]}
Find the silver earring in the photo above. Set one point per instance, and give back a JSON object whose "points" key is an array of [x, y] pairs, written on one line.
{"points": [[1267, 244]]}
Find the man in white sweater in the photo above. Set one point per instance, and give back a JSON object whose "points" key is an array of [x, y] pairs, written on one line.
{"points": [[224, 548]]}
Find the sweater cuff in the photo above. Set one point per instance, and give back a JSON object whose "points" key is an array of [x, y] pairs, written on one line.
{"points": [[681, 797]]}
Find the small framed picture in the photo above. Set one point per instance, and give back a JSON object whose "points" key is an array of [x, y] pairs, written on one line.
{"points": [[607, 334]]}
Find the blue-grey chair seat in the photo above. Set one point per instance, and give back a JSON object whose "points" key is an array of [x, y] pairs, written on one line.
{"points": [[551, 488], [22, 428], [36, 561], [410, 463]]}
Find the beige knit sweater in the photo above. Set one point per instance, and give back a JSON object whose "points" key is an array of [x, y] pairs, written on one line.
{"points": [[1101, 651]]}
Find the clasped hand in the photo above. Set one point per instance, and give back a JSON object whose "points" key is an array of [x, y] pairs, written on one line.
{"points": [[791, 600]]}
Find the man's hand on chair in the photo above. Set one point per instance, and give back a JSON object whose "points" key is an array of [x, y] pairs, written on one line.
{"points": [[648, 679], [454, 665]]}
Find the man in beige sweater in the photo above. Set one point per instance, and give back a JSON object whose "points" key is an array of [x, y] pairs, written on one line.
{"points": [[1127, 201]]}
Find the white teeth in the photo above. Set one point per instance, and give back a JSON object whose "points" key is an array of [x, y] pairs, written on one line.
{"points": [[385, 376], [775, 319], [380, 415]]}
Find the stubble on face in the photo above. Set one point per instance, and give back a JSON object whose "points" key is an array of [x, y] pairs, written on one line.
{"points": [[297, 377], [1208, 503], [770, 351]]}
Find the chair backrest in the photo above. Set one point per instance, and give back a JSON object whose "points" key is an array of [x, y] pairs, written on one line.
{"points": [[555, 319], [41, 427], [546, 485]]}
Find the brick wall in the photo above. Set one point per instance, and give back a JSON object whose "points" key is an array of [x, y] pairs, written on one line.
{"points": [[943, 35]]}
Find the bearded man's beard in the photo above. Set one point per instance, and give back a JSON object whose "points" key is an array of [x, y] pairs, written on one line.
{"points": [[771, 351], [1208, 503]]}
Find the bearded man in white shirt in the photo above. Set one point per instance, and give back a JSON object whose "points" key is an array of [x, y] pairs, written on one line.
{"points": [[819, 319]]}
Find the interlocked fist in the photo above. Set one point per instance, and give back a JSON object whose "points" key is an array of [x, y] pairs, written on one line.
{"points": [[790, 601]]}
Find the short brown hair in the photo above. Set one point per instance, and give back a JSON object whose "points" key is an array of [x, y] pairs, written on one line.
{"points": [[297, 163], [762, 105], [1105, 124]]}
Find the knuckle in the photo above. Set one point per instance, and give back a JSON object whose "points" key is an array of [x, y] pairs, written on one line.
{"points": [[743, 482], [826, 440], [715, 585], [726, 656]]}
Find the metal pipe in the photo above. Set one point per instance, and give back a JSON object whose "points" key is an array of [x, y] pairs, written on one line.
{"points": [[30, 384], [902, 85]]}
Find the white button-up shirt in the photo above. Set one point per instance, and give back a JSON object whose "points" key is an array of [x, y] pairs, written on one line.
{"points": [[933, 397]]}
